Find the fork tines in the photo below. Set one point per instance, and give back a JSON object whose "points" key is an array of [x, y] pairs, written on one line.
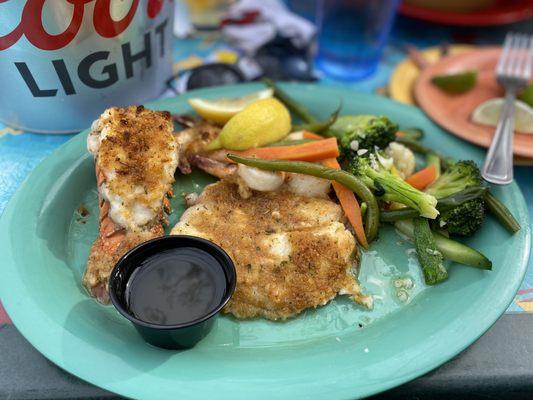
{"points": [[516, 58]]}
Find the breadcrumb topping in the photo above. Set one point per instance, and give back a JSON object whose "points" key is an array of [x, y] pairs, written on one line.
{"points": [[136, 151], [291, 252]]}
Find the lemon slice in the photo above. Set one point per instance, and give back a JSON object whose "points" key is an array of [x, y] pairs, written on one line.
{"points": [[221, 110], [488, 113], [262, 122]]}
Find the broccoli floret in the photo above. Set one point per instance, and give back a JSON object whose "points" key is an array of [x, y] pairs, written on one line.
{"points": [[467, 217], [390, 187], [355, 132], [457, 177]]}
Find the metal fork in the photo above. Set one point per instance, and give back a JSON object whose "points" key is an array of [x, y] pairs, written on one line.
{"points": [[512, 73]]}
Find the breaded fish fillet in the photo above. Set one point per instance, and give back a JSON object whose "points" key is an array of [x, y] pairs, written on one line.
{"points": [[135, 159], [291, 252]]}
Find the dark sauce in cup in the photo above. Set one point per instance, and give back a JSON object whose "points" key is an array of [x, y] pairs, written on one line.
{"points": [[175, 286]]}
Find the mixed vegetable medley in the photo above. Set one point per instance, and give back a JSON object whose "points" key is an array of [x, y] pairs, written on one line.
{"points": [[372, 164]]}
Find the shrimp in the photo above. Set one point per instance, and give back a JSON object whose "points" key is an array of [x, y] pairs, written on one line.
{"points": [[193, 142]]}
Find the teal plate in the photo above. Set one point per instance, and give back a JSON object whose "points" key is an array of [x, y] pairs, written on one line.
{"points": [[339, 351]]}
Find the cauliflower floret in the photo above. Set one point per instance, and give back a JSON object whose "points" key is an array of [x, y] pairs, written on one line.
{"points": [[403, 158]]}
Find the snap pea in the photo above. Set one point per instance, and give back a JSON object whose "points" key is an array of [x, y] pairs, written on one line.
{"points": [[290, 103], [458, 198], [450, 249], [343, 177], [501, 212]]}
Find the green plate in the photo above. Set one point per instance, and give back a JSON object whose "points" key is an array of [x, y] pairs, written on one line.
{"points": [[338, 351]]}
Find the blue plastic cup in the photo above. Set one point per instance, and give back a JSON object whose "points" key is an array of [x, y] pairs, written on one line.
{"points": [[352, 35]]}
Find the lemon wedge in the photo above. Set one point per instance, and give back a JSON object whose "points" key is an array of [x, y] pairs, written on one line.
{"points": [[221, 110], [260, 123], [488, 113]]}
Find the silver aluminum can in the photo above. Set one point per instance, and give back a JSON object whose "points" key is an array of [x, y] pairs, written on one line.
{"points": [[62, 62]]}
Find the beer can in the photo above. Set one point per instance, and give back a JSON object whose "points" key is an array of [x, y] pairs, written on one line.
{"points": [[62, 62]]}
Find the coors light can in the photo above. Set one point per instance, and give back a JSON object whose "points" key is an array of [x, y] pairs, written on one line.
{"points": [[62, 62]]}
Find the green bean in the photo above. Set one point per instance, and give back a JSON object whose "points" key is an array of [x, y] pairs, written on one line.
{"points": [[343, 177], [417, 147], [501, 212], [289, 142], [398, 215], [291, 104], [364, 207], [319, 126], [411, 133], [434, 159]]}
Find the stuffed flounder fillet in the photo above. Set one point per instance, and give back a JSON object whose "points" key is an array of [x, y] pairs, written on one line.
{"points": [[291, 252]]}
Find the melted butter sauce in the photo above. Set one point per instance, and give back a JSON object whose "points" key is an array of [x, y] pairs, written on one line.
{"points": [[176, 286]]}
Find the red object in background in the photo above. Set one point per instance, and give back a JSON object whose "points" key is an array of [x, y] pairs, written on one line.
{"points": [[4, 318], [502, 12], [248, 17]]}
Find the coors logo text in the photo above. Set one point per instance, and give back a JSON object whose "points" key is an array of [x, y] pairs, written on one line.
{"points": [[31, 23], [96, 70]]}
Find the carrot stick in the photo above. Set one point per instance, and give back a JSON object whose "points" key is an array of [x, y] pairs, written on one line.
{"points": [[349, 204], [312, 135], [311, 151], [421, 179]]}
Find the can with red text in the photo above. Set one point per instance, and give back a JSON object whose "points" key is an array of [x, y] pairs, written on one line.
{"points": [[62, 62]]}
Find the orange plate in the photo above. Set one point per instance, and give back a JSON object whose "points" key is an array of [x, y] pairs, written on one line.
{"points": [[452, 112]]}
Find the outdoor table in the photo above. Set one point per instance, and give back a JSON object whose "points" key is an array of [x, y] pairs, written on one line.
{"points": [[498, 365]]}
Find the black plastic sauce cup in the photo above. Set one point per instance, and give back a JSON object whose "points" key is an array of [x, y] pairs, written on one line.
{"points": [[178, 336]]}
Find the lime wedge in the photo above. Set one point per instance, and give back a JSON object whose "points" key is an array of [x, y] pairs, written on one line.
{"points": [[221, 110], [488, 113], [527, 95], [456, 83]]}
